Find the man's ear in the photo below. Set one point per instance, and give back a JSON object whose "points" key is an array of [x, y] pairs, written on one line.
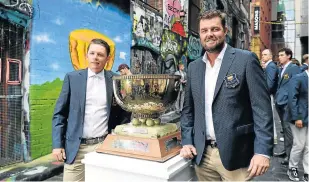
{"points": [[226, 30]]}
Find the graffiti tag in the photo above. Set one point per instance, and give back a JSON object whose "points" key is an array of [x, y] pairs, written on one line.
{"points": [[145, 43], [194, 47], [173, 7]]}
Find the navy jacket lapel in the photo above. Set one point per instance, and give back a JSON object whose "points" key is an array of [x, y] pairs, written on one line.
{"points": [[83, 83], [202, 71], [227, 61], [285, 72], [109, 87]]}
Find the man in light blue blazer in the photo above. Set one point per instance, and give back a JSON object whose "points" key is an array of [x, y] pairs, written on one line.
{"points": [[226, 121], [82, 112]]}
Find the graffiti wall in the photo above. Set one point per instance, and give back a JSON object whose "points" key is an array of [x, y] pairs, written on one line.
{"points": [[147, 28], [175, 16], [173, 51], [15, 19], [194, 47], [61, 32]]}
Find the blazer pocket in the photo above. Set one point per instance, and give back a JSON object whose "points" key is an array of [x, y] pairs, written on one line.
{"points": [[245, 129]]}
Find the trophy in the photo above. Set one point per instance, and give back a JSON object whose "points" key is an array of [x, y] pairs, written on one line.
{"points": [[145, 137]]}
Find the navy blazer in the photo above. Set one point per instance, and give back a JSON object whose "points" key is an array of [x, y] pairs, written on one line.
{"points": [[272, 72], [303, 67], [298, 98], [69, 113], [282, 93], [241, 108]]}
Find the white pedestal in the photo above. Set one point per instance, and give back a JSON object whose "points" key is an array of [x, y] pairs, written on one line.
{"points": [[105, 167]]}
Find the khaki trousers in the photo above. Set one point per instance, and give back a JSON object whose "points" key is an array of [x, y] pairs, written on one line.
{"points": [[212, 169], [76, 171], [300, 147]]}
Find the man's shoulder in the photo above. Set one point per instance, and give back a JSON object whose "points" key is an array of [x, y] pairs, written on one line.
{"points": [[196, 62], [76, 72], [244, 52], [294, 68], [301, 75]]}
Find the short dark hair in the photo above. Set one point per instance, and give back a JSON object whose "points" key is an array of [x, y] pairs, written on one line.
{"points": [[287, 51], [206, 15], [100, 42]]}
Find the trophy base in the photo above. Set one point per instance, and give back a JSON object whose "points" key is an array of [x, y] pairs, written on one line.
{"points": [[160, 149], [142, 131]]}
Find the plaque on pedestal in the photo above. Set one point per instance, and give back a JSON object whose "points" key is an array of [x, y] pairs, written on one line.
{"points": [[146, 96]]}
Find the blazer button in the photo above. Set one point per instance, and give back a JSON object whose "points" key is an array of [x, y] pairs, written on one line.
{"points": [[203, 133]]}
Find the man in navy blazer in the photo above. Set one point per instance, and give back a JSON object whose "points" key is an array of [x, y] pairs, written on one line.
{"points": [[226, 122], [82, 112], [288, 71], [298, 102], [271, 71]]}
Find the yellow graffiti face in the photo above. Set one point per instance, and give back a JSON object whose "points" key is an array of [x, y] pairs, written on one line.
{"points": [[79, 41]]}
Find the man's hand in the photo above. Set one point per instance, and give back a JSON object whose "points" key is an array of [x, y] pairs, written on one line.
{"points": [[59, 154], [187, 151], [259, 165], [299, 123]]}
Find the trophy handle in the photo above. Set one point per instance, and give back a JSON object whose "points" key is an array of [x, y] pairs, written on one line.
{"points": [[118, 100], [177, 85]]}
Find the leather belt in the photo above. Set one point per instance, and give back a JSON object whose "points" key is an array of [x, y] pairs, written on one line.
{"points": [[92, 141], [211, 143]]}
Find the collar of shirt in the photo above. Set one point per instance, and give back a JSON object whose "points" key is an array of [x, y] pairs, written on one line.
{"points": [[287, 64], [92, 74], [305, 64], [220, 56], [267, 63]]}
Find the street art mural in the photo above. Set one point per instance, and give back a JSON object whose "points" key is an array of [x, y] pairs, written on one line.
{"points": [[147, 28], [144, 61], [194, 47], [175, 16], [173, 48], [59, 39], [15, 19]]}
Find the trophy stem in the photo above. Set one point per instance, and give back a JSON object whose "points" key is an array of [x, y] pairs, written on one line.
{"points": [[145, 116], [145, 119]]}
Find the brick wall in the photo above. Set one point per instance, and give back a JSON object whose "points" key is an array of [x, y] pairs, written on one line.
{"points": [[42, 103]]}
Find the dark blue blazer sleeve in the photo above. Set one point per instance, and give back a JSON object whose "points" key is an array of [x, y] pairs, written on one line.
{"points": [[272, 72], [303, 67], [187, 115], [60, 116], [294, 89], [261, 107]]}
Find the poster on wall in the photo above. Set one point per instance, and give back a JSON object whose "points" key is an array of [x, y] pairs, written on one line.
{"points": [[147, 28], [175, 16]]}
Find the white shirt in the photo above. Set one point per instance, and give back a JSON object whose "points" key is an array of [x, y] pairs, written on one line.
{"points": [[211, 76], [266, 64], [96, 110], [284, 68], [307, 72]]}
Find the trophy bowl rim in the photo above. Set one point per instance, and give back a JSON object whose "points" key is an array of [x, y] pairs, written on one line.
{"points": [[146, 76]]}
